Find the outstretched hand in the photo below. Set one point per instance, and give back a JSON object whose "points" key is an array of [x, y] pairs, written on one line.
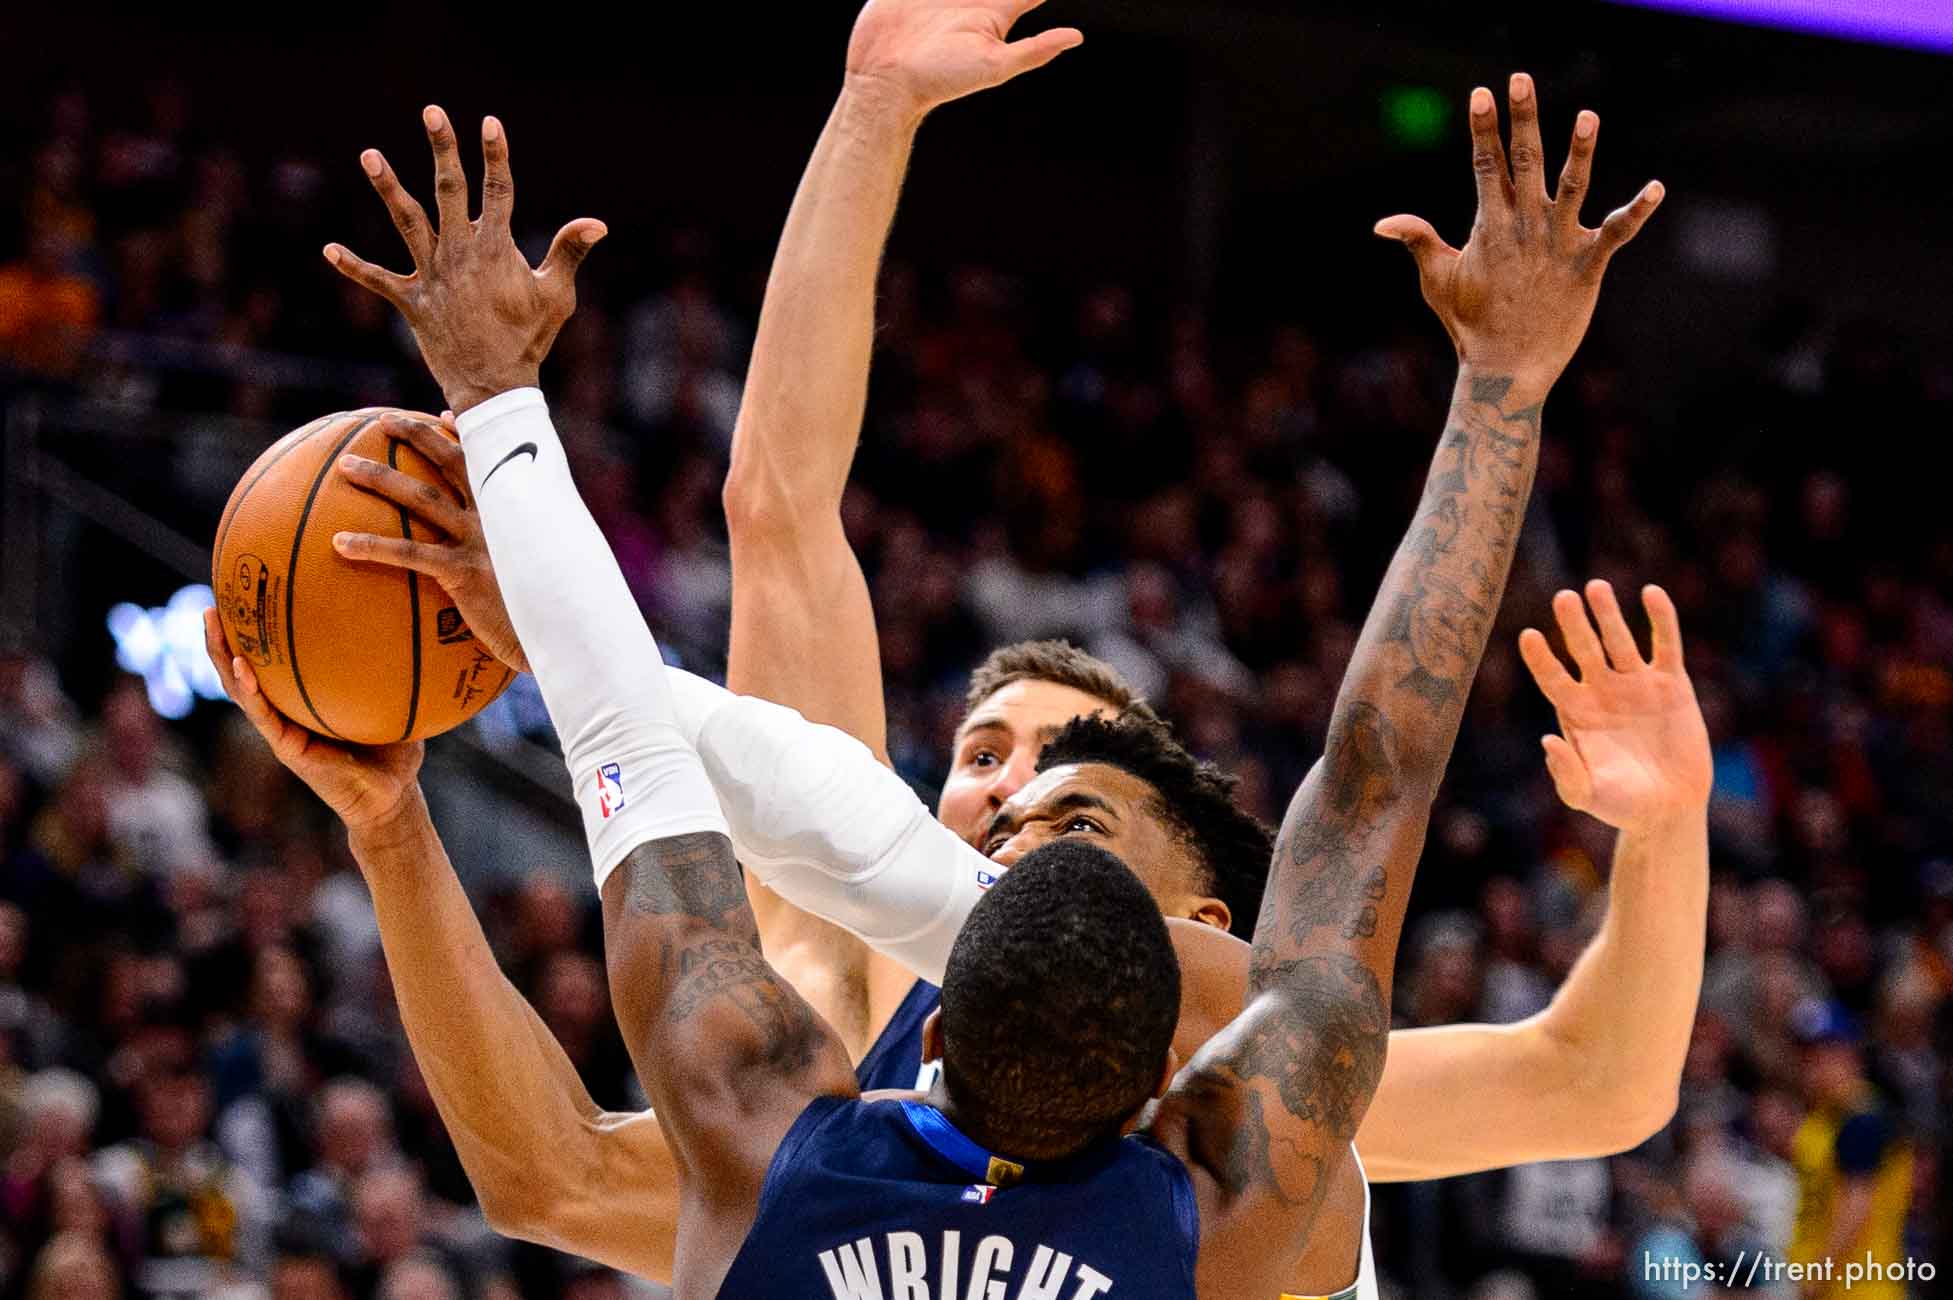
{"points": [[364, 784], [483, 318], [1517, 298], [1633, 749], [926, 52], [460, 564]]}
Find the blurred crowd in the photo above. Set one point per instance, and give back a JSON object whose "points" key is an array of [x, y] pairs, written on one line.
{"points": [[203, 1084]]}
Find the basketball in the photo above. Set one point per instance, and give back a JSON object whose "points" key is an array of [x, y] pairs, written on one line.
{"points": [[364, 653]]}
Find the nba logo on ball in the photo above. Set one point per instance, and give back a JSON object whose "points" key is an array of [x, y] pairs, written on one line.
{"points": [[610, 789]]}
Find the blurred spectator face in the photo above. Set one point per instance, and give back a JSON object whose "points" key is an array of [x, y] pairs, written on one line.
{"points": [[175, 1108], [305, 1277], [387, 1209], [61, 1109], [997, 749], [76, 1206], [281, 996], [574, 998], [1777, 917], [74, 1268], [1832, 1072], [353, 1126], [418, 1278]]}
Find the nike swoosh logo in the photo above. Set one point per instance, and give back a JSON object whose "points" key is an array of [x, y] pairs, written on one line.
{"points": [[526, 449]]}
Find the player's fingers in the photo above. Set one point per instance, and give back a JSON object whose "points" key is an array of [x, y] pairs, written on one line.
{"points": [[438, 447], [1569, 772], [1036, 51], [1578, 633], [1668, 628], [497, 181], [1615, 634], [1555, 682], [1417, 235], [1488, 159], [425, 501], [374, 279], [1528, 152], [269, 723], [1625, 222], [409, 218], [436, 561], [450, 181], [567, 251], [218, 647], [1571, 193]]}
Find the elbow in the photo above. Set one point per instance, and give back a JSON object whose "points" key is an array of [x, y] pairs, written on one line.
{"points": [[762, 506], [1641, 1117], [516, 1211], [1620, 1117]]}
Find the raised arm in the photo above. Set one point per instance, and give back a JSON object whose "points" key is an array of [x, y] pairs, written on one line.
{"points": [[1274, 1101], [796, 582], [727, 1050], [1597, 1071], [569, 1174]]}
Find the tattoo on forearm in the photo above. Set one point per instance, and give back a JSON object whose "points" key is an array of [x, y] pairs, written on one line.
{"points": [[711, 956], [1462, 543], [1326, 937], [690, 875], [1319, 1050]]}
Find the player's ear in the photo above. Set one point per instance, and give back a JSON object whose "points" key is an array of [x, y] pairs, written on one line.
{"points": [[932, 1037], [1167, 1071], [1211, 911]]}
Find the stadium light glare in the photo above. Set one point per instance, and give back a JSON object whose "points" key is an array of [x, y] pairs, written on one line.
{"points": [[164, 647]]}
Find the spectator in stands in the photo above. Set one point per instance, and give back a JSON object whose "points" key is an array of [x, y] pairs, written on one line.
{"points": [[48, 309], [1854, 1161]]}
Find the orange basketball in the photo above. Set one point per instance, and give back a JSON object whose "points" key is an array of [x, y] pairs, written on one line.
{"points": [[365, 653]]}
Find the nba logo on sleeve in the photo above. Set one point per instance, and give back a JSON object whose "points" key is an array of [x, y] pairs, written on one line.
{"points": [[610, 790], [978, 1194]]}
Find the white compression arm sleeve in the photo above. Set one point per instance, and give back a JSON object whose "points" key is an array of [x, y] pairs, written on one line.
{"points": [[635, 778], [815, 817]]}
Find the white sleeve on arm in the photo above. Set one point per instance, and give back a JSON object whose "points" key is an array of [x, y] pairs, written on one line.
{"points": [[818, 819], [634, 775]]}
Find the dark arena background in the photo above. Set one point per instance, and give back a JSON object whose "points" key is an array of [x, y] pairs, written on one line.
{"points": [[1144, 379]]}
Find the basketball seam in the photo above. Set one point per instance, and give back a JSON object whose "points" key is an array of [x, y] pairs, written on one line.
{"points": [[294, 438], [413, 599], [291, 574]]}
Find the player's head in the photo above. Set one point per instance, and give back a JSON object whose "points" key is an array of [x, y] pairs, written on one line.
{"points": [[1135, 791], [1018, 698], [1059, 1003]]}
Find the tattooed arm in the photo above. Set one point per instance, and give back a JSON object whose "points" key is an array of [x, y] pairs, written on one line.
{"points": [[728, 1052], [1270, 1106]]}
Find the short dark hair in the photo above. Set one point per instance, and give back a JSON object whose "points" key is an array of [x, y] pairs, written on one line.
{"points": [[1196, 800], [1060, 1000], [1059, 662]]}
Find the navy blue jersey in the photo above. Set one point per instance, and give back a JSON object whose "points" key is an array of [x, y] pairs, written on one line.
{"points": [[887, 1200], [895, 1061]]}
